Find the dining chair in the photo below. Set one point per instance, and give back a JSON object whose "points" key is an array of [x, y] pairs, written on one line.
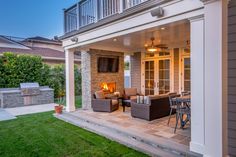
{"points": [[180, 111], [173, 105]]}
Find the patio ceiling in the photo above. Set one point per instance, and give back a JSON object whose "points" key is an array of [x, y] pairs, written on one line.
{"points": [[173, 35]]}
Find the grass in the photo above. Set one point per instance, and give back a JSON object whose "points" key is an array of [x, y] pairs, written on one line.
{"points": [[42, 135], [62, 101]]}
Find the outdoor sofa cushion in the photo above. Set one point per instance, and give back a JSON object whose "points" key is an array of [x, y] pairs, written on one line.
{"points": [[158, 106], [130, 91], [100, 94]]}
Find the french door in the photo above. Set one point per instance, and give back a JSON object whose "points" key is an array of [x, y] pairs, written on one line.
{"points": [[186, 72], [157, 76]]}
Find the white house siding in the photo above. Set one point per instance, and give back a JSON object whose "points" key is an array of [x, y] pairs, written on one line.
{"points": [[232, 78]]}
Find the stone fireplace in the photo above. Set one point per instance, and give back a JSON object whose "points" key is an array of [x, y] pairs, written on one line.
{"points": [[93, 81]]}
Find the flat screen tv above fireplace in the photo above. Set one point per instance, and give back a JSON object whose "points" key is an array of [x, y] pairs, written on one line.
{"points": [[108, 64]]}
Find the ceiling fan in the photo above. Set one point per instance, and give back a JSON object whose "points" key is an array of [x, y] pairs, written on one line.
{"points": [[155, 48]]}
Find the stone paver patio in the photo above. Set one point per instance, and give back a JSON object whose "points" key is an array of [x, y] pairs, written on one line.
{"points": [[156, 128]]}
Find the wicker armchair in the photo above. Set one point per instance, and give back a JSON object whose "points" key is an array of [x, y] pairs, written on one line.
{"points": [[102, 104], [130, 94]]}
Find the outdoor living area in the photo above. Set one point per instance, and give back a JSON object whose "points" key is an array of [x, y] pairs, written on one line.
{"points": [[153, 114]]}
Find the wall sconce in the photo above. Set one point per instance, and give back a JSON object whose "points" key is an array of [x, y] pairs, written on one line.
{"points": [[159, 12]]}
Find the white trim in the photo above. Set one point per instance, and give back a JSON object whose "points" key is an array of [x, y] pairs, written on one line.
{"points": [[197, 147], [182, 56]]}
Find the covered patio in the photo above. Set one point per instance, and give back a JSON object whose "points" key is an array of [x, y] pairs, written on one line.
{"points": [[191, 57], [152, 73]]}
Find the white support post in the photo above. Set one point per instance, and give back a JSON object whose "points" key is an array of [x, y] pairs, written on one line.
{"points": [[216, 77], [197, 85], [70, 81]]}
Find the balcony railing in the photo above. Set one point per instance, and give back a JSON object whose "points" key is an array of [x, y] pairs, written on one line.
{"points": [[90, 11], [132, 3]]}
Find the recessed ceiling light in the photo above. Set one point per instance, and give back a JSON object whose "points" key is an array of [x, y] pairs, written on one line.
{"points": [[114, 39], [163, 28]]}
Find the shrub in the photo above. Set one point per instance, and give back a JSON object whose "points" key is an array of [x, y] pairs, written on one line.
{"points": [[2, 72], [15, 69], [21, 68]]}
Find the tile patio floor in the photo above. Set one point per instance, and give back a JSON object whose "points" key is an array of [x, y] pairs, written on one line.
{"points": [[156, 128]]}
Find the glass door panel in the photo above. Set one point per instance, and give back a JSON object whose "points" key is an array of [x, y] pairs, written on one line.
{"points": [[164, 76], [149, 77], [187, 74]]}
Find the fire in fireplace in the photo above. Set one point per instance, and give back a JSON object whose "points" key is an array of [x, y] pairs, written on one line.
{"points": [[108, 87]]}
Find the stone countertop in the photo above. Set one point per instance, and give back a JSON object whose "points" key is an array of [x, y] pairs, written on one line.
{"points": [[17, 90]]}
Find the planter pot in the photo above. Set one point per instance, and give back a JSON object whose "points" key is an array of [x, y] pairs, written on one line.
{"points": [[58, 109]]}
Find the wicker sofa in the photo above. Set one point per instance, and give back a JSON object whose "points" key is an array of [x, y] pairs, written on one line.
{"points": [[157, 106]]}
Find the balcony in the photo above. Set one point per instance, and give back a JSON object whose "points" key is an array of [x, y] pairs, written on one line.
{"points": [[87, 12]]}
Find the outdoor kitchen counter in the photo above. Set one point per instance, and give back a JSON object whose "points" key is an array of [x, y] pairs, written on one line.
{"points": [[14, 97]]}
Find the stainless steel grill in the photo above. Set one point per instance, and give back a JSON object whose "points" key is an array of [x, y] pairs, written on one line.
{"points": [[29, 89]]}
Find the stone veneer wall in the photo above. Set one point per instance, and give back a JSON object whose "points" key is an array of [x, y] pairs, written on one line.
{"points": [[11, 97], [135, 72], [98, 78], [86, 79], [91, 79]]}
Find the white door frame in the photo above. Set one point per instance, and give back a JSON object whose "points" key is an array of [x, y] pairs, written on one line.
{"points": [[183, 55], [156, 60]]}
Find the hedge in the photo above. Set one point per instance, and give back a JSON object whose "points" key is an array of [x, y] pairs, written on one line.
{"points": [[15, 69]]}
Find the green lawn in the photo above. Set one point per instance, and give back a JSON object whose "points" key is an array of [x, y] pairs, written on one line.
{"points": [[42, 135], [77, 101]]}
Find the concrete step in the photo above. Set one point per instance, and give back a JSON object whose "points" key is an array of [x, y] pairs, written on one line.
{"points": [[134, 140]]}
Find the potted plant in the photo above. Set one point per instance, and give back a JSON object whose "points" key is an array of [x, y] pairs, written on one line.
{"points": [[58, 108]]}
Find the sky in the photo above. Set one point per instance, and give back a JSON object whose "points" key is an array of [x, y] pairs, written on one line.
{"points": [[29, 18]]}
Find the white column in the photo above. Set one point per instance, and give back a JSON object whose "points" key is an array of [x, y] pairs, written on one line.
{"points": [[70, 81], [86, 79], [197, 85], [215, 12]]}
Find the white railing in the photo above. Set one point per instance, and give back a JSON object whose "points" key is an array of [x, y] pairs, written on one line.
{"points": [[90, 11], [108, 8], [131, 3], [87, 12], [70, 19]]}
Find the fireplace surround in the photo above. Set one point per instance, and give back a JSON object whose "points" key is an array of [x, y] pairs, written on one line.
{"points": [[108, 87]]}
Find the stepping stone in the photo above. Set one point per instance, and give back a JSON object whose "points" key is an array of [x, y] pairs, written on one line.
{"points": [[4, 115]]}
